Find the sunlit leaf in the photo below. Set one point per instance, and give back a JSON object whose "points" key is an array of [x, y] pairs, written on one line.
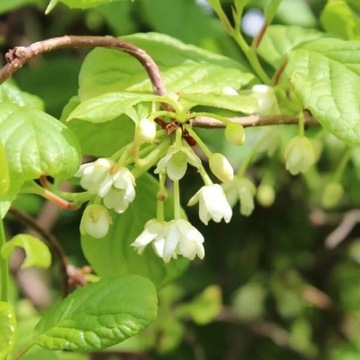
{"points": [[106, 70], [339, 19], [280, 39], [35, 143], [99, 315], [108, 106], [4, 172], [325, 74], [7, 329], [240, 103], [37, 253]]}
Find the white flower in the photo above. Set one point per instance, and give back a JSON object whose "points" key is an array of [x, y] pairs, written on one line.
{"points": [[93, 174], [176, 160], [183, 239], [266, 98], [154, 232], [170, 239], [95, 221], [212, 204], [111, 181], [118, 189]]}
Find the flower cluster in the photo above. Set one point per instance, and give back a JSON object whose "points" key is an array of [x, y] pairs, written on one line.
{"points": [[170, 239]]}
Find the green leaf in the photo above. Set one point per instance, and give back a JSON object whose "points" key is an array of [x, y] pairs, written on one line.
{"points": [[279, 40], [8, 328], [204, 308], [9, 92], [4, 172], [35, 143], [340, 20], [99, 315], [107, 70], [108, 106], [37, 253], [193, 77], [241, 103], [115, 248], [326, 75], [78, 4]]}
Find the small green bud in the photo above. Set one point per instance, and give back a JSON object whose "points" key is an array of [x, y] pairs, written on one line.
{"points": [[221, 167], [265, 195], [235, 134], [299, 155], [332, 195], [246, 190]]}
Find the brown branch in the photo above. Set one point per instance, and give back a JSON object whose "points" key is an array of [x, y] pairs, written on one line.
{"points": [[253, 120], [19, 55], [50, 240]]}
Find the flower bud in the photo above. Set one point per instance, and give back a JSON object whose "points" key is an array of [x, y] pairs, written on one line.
{"points": [[266, 98], [299, 155], [235, 134], [221, 167], [246, 190], [95, 221], [265, 195], [146, 130], [332, 194]]}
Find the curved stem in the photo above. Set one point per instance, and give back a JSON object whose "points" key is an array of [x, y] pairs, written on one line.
{"points": [[18, 56]]}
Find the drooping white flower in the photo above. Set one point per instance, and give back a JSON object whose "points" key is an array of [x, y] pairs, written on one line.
{"points": [[111, 181], [212, 204], [154, 232], [93, 174], [118, 189], [95, 221], [176, 160], [183, 239], [170, 239]]}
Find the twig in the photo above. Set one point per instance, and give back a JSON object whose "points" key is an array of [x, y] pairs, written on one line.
{"points": [[19, 55], [253, 120], [50, 240], [338, 235]]}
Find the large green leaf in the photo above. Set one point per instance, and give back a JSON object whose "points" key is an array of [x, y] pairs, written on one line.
{"points": [[194, 77], [280, 39], [35, 143], [4, 172], [7, 329], [37, 253], [339, 19], [106, 70], [113, 255], [78, 4], [326, 75], [9, 92], [99, 315], [100, 139], [108, 106], [238, 103]]}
